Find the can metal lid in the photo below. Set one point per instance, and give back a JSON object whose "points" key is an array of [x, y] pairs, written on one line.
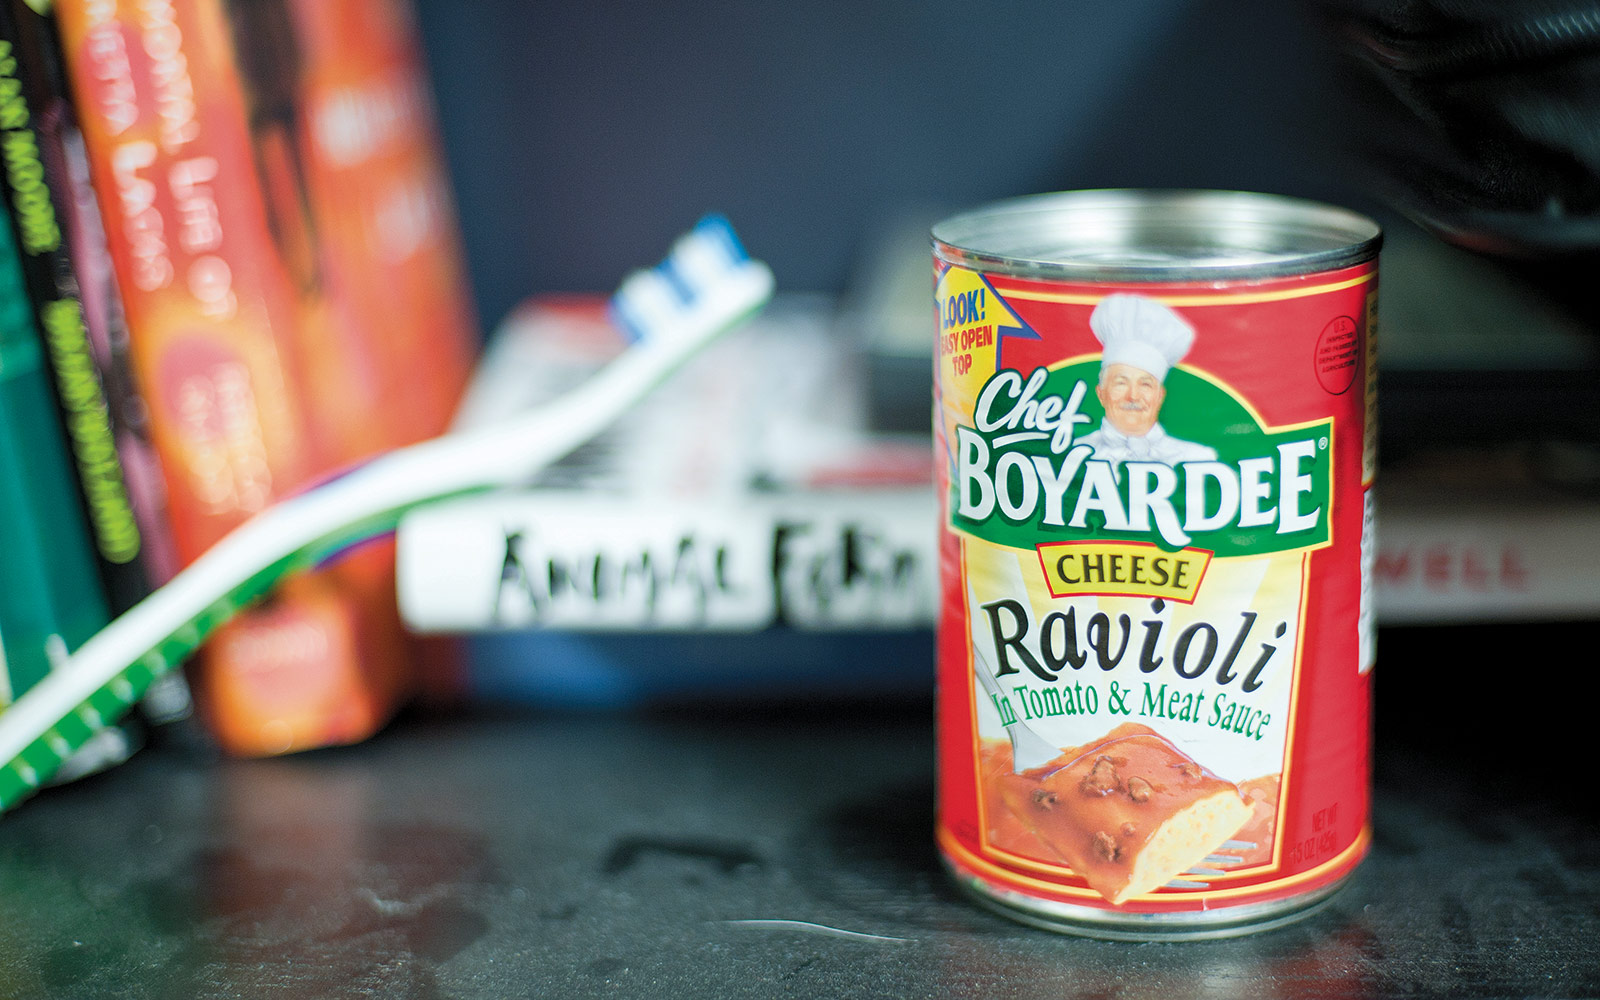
{"points": [[1139, 235]]}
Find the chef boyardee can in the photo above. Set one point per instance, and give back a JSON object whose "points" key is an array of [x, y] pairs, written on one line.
{"points": [[1156, 448]]}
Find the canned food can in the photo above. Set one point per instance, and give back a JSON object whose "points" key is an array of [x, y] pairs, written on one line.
{"points": [[1156, 447]]}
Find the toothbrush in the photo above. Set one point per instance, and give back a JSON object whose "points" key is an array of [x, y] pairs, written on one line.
{"points": [[706, 285]]}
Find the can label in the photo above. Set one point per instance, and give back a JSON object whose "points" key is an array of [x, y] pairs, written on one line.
{"points": [[1153, 652]]}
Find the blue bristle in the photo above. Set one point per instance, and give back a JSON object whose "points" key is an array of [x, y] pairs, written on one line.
{"points": [[618, 314], [641, 302], [680, 276], [676, 279], [719, 224]]}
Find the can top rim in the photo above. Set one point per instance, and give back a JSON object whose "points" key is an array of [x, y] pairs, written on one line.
{"points": [[1161, 235]]}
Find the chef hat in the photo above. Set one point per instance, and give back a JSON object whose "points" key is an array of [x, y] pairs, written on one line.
{"points": [[1140, 332]]}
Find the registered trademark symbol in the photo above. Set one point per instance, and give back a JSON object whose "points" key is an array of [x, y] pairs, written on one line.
{"points": [[1322, 442]]}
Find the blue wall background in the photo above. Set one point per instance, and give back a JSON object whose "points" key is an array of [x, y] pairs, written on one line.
{"points": [[583, 137]]}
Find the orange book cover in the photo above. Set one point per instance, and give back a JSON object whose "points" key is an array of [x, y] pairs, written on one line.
{"points": [[283, 234]]}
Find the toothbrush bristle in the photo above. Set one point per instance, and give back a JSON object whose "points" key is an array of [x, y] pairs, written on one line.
{"points": [[718, 226], [706, 254], [699, 262], [644, 301]]}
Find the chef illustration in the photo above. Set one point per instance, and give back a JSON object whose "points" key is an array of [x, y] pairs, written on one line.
{"points": [[1142, 340]]}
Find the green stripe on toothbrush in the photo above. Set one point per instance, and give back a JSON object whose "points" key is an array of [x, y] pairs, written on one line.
{"points": [[392, 485], [44, 756], [41, 758]]}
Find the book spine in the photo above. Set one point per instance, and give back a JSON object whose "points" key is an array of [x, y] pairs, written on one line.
{"points": [[392, 324], [51, 599], [162, 116], [251, 302], [66, 166], [30, 138], [1482, 563], [210, 314], [551, 559]]}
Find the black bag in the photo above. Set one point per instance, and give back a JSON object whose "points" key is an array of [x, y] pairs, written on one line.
{"points": [[1482, 117]]}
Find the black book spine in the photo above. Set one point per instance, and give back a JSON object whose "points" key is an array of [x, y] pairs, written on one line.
{"points": [[32, 115]]}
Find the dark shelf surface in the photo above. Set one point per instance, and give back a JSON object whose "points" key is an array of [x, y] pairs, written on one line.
{"points": [[727, 853]]}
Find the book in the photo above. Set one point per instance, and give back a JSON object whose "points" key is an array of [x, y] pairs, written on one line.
{"points": [[1485, 535], [55, 224], [283, 239], [546, 559], [743, 532], [31, 138], [51, 598], [735, 533]]}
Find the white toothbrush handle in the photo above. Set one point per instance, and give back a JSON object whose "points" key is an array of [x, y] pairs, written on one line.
{"points": [[114, 668]]}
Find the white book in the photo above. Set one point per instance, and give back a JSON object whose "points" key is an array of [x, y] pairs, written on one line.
{"points": [[741, 495], [1474, 538], [746, 494], [559, 559]]}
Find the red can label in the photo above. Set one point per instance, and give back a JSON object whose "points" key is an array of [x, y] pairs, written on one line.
{"points": [[1154, 650]]}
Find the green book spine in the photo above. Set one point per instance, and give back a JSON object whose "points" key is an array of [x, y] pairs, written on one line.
{"points": [[51, 598]]}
